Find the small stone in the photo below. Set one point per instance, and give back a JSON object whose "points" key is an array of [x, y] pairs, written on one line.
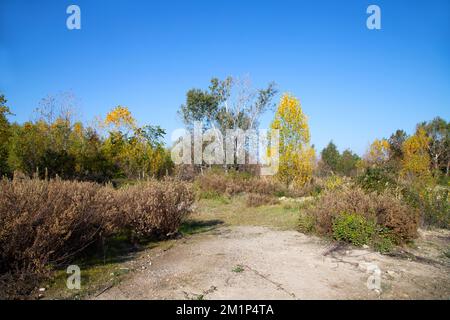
{"points": [[391, 273], [143, 268], [365, 246], [41, 289]]}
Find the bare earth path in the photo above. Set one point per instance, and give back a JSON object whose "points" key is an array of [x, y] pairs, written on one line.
{"points": [[249, 262]]}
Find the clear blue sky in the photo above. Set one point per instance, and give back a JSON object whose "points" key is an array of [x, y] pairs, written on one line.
{"points": [[355, 84]]}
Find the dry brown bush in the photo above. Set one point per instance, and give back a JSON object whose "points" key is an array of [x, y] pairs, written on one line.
{"points": [[44, 224], [155, 208], [386, 209], [257, 200], [47, 223], [232, 184]]}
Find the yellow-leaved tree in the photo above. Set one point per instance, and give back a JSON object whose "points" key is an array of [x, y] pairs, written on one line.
{"points": [[121, 119], [378, 153], [138, 151], [416, 159], [297, 157]]}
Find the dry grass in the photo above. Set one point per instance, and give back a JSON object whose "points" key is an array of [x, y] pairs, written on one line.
{"points": [[235, 212], [257, 200]]}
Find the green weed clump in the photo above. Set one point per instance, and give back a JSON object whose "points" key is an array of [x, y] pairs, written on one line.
{"points": [[353, 228]]}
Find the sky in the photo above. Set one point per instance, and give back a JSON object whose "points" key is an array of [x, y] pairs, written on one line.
{"points": [[354, 84]]}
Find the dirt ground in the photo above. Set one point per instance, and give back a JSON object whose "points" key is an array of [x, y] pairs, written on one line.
{"points": [[255, 262]]}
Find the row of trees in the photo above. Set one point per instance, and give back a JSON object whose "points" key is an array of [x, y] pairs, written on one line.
{"points": [[232, 103], [333, 162], [55, 144], [424, 154]]}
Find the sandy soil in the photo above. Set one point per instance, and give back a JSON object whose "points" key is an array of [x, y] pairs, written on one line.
{"points": [[247, 262]]}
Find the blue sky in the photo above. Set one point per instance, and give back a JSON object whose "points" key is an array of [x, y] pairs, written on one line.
{"points": [[355, 84]]}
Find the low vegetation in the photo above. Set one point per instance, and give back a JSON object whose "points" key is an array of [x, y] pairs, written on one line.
{"points": [[53, 209], [352, 215], [47, 224]]}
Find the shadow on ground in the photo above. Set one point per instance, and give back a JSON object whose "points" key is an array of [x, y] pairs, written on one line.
{"points": [[191, 226]]}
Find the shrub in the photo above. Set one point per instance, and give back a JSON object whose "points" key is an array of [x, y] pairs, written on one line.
{"points": [[383, 240], [155, 209], [257, 200], [236, 183], [353, 228], [433, 204], [385, 209], [306, 223], [45, 224], [435, 207], [333, 182], [376, 179]]}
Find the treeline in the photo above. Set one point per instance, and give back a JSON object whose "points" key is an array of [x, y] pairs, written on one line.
{"points": [[424, 154], [56, 145]]}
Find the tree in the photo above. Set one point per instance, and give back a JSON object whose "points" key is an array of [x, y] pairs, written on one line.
{"points": [[438, 130], [378, 153], [5, 133], [137, 152], [120, 119], [396, 144], [416, 159], [348, 163], [227, 104], [297, 157], [330, 158]]}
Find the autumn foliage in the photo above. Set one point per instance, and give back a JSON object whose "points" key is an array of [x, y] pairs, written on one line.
{"points": [[296, 161]]}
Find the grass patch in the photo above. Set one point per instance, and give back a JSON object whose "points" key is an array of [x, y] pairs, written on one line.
{"points": [[235, 212], [191, 226], [238, 269], [447, 253]]}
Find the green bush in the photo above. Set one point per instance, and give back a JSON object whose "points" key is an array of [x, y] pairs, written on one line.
{"points": [[353, 228], [388, 210], [376, 179], [435, 207], [306, 223], [433, 204], [383, 240]]}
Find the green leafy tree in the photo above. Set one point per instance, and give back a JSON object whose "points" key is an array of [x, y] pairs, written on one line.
{"points": [[5, 133], [330, 158], [438, 130], [227, 104], [396, 145], [348, 163]]}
